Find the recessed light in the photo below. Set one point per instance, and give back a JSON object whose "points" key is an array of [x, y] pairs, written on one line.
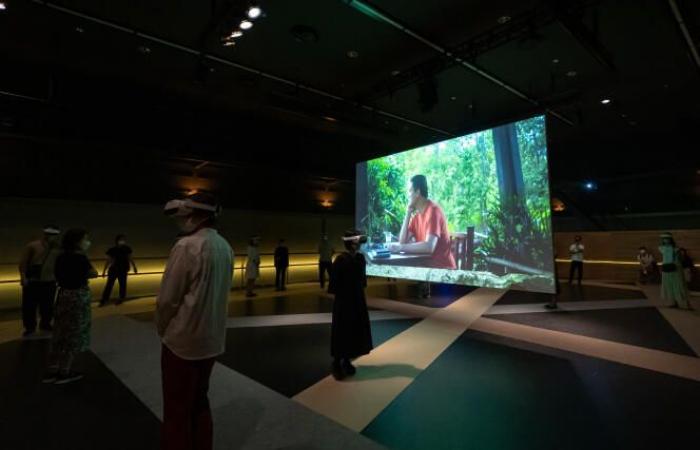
{"points": [[254, 12], [605, 101], [245, 25], [3, 6], [353, 54], [144, 50], [229, 43], [571, 73], [395, 72], [555, 61], [453, 98], [236, 34], [504, 19], [330, 119], [79, 30]]}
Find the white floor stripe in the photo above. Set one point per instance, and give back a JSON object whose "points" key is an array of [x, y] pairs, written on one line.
{"points": [[390, 368], [656, 360], [247, 415], [569, 306], [686, 323]]}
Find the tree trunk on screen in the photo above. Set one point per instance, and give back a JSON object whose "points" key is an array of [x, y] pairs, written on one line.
{"points": [[511, 189]]}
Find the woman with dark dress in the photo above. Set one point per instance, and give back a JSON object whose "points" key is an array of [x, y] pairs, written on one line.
{"points": [[72, 319], [351, 335]]}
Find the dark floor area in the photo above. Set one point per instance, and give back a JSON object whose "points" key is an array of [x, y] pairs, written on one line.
{"points": [[308, 303], [571, 293], [644, 327], [486, 392], [441, 295], [289, 359], [98, 412]]}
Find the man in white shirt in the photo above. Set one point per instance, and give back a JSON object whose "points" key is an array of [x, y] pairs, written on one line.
{"points": [[191, 311], [576, 253]]}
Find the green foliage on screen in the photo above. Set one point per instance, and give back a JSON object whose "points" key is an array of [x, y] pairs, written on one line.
{"points": [[462, 179]]}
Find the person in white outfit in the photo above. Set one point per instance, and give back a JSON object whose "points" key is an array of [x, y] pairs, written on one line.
{"points": [[191, 311], [576, 254], [252, 265]]}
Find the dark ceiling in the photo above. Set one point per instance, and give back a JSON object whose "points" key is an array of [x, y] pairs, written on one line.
{"points": [[150, 81]]}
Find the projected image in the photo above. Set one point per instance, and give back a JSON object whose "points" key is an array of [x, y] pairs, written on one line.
{"points": [[472, 210]]}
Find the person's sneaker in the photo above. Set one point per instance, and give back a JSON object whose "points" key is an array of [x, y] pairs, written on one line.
{"points": [[50, 377], [65, 378], [348, 368]]}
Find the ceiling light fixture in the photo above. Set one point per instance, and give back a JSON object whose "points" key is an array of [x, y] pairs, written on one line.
{"points": [[352, 54], [254, 12], [236, 34], [605, 101], [245, 25], [3, 6], [571, 73]]}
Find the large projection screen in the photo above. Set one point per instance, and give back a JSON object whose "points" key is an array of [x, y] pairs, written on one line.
{"points": [[473, 210]]}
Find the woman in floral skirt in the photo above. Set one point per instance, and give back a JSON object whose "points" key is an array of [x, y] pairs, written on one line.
{"points": [[71, 333]]}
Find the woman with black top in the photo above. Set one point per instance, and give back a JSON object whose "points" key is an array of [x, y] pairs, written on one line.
{"points": [[351, 335], [71, 333]]}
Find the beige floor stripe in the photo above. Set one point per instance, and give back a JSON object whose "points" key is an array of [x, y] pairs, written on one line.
{"points": [[686, 323], [656, 360], [390, 368]]}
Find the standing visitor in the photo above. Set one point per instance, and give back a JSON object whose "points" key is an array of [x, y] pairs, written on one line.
{"points": [[325, 260], [36, 271], [73, 316], [281, 265], [252, 266], [576, 254], [117, 266], [673, 287], [351, 335], [191, 311]]}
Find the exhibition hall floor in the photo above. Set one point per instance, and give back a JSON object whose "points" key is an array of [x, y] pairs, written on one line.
{"points": [[467, 368]]}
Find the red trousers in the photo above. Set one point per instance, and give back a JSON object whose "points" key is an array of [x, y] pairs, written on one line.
{"points": [[187, 423]]}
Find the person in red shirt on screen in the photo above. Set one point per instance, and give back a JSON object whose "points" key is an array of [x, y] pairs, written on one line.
{"points": [[424, 230]]}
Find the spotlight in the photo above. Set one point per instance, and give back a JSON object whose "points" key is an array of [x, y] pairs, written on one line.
{"points": [[590, 186], [236, 34], [245, 25], [605, 101], [254, 12]]}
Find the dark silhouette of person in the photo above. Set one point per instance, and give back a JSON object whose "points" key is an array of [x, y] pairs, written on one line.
{"points": [[36, 270], [117, 267], [281, 265], [351, 335]]}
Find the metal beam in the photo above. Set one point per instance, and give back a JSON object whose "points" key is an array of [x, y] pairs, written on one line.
{"points": [[684, 30], [235, 65], [377, 14]]}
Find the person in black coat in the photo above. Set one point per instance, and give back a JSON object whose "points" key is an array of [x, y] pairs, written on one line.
{"points": [[351, 335], [281, 265]]}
